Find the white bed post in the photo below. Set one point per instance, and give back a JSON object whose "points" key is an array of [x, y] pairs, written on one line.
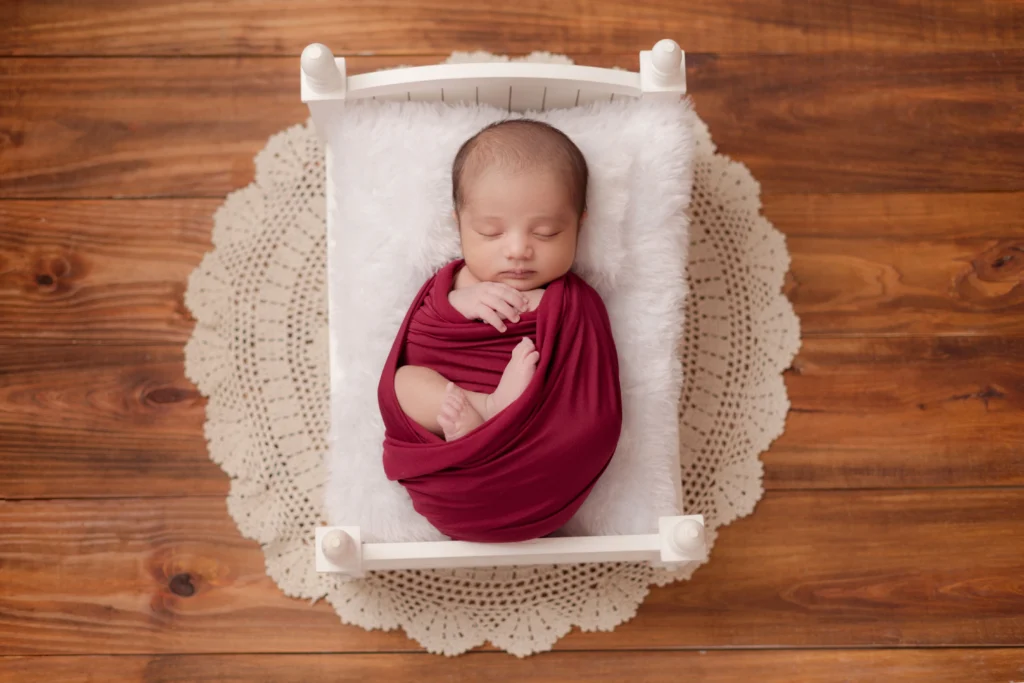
{"points": [[663, 71], [341, 547], [323, 83]]}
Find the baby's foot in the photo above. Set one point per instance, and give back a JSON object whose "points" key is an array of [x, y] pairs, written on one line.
{"points": [[457, 417], [515, 379]]}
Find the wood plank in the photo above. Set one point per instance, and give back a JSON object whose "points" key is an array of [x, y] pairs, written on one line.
{"points": [[808, 569], [888, 413], [102, 421], [95, 577], [864, 123], [866, 413], [112, 141], [836, 123], [785, 666], [144, 127], [88, 272], [877, 286], [899, 217], [175, 27]]}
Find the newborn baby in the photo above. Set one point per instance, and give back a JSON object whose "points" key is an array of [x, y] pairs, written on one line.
{"points": [[500, 398], [519, 189]]}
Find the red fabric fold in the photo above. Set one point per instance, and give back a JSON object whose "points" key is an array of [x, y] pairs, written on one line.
{"points": [[524, 473]]}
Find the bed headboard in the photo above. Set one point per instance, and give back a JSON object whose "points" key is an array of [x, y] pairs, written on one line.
{"points": [[515, 86]]}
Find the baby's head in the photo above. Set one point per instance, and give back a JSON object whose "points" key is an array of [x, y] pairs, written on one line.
{"points": [[520, 190]]}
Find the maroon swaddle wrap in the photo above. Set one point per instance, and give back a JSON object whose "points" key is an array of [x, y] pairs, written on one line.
{"points": [[522, 474]]}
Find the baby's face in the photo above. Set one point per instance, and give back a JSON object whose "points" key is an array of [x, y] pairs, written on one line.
{"points": [[518, 228]]}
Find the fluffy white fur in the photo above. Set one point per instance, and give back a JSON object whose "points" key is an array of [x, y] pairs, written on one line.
{"points": [[390, 227]]}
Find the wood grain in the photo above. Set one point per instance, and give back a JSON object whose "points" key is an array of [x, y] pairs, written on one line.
{"points": [[115, 272], [782, 666], [122, 27], [866, 413], [899, 217], [105, 421], [809, 569], [836, 123], [902, 412], [143, 127], [88, 272], [874, 286]]}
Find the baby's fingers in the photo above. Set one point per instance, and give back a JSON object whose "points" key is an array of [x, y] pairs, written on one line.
{"points": [[513, 296], [491, 318], [503, 308]]}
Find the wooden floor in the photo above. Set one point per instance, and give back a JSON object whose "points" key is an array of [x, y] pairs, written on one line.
{"points": [[888, 136]]}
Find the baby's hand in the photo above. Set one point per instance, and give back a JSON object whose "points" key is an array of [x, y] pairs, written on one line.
{"points": [[533, 298], [491, 302]]}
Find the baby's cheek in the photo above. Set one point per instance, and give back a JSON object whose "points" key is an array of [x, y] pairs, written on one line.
{"points": [[475, 256], [563, 257]]}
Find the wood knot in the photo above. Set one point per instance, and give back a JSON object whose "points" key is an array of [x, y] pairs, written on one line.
{"points": [[985, 395], [60, 267], [1002, 263], [181, 584], [10, 139], [165, 395], [50, 272]]}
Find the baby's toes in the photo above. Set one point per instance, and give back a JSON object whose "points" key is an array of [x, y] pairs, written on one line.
{"points": [[449, 410], [459, 399], [446, 424], [523, 348]]}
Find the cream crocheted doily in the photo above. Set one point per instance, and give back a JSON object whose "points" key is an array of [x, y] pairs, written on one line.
{"points": [[259, 352]]}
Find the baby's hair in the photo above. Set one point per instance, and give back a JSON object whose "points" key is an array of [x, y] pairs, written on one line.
{"points": [[517, 144]]}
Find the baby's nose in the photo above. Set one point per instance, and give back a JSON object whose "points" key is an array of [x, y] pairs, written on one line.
{"points": [[517, 247]]}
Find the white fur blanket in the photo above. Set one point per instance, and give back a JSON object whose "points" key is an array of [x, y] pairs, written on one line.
{"points": [[390, 227]]}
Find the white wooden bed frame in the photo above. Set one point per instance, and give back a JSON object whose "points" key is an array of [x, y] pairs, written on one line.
{"points": [[514, 86]]}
